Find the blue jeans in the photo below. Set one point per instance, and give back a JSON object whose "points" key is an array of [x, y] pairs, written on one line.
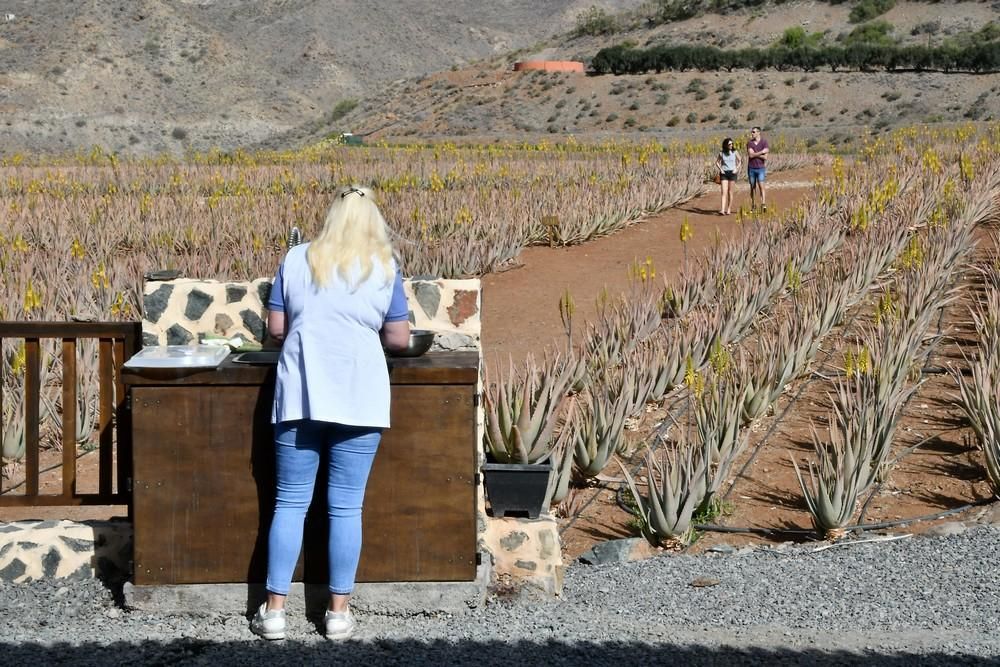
{"points": [[299, 446]]}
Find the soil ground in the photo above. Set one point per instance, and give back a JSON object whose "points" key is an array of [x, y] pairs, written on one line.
{"points": [[520, 317]]}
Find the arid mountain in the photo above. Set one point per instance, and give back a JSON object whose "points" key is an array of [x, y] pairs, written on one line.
{"points": [[148, 76], [489, 101], [165, 75]]}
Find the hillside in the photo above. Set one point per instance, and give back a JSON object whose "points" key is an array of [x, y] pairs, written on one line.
{"points": [[151, 76], [147, 76], [489, 101]]}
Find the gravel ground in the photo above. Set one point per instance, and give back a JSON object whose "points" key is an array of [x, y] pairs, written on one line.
{"points": [[928, 601]]}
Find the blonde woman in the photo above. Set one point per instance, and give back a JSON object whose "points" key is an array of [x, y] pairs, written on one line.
{"points": [[728, 162], [336, 302]]}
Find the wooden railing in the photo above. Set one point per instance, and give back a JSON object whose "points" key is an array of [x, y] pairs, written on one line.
{"points": [[117, 342]]}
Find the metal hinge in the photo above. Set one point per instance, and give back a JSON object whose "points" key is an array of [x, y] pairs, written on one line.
{"points": [[475, 400], [477, 479], [128, 484]]}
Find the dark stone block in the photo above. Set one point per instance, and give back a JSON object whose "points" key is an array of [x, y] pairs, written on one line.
{"points": [[514, 540], [154, 303], [235, 293], [79, 546], [81, 573], [9, 528], [253, 322], [46, 524], [13, 570], [223, 323], [428, 295], [178, 335], [5, 548], [197, 303], [28, 545], [149, 339], [50, 563], [264, 292], [526, 565]]}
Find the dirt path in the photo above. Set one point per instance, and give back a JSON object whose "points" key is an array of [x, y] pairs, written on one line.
{"points": [[521, 305]]}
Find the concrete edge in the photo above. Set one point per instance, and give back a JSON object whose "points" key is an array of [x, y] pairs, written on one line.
{"points": [[408, 598]]}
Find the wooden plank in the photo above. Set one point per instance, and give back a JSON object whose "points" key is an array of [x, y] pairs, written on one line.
{"points": [[69, 417], [86, 499], [32, 414], [432, 368], [123, 459], [105, 365], [2, 425], [131, 344], [420, 504], [203, 489], [10, 329]]}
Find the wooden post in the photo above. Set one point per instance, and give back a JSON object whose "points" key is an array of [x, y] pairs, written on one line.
{"points": [[551, 223]]}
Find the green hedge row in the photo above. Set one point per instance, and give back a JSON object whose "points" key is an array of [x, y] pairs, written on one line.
{"points": [[982, 57]]}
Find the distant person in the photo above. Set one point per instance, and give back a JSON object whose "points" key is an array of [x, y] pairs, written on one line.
{"points": [[728, 162], [757, 150], [335, 303]]}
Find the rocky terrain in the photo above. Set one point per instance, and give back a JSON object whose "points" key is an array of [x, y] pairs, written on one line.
{"points": [[148, 76], [153, 76]]}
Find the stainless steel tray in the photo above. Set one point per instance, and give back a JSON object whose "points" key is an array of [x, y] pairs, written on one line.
{"points": [[260, 358]]}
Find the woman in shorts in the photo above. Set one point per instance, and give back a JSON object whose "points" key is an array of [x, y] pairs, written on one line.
{"points": [[728, 162]]}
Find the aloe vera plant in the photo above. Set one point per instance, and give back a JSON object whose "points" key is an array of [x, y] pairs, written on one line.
{"points": [[13, 430], [980, 401], [562, 463], [521, 412], [675, 489], [599, 432], [836, 481], [979, 397]]}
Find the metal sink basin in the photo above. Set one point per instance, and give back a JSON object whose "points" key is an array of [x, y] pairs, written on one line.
{"points": [[262, 357]]}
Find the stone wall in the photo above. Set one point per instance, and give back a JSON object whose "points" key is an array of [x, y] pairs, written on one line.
{"points": [[177, 312], [526, 551], [32, 550]]}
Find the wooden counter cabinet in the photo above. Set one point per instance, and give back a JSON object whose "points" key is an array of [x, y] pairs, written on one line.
{"points": [[203, 477]]}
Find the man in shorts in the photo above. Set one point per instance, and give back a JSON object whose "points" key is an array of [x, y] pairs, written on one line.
{"points": [[757, 151]]}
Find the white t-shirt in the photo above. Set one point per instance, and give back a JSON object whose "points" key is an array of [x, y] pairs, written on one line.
{"points": [[332, 367]]}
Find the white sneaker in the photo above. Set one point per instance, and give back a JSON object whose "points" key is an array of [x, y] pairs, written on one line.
{"points": [[268, 624], [339, 625]]}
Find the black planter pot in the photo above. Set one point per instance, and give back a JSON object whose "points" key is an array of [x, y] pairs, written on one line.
{"points": [[516, 489]]}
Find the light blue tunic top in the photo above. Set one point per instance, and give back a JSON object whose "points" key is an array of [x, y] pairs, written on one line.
{"points": [[332, 367]]}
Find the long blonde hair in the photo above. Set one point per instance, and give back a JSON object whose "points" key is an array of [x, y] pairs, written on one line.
{"points": [[355, 231]]}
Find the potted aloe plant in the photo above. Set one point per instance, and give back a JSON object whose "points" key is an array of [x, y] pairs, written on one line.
{"points": [[524, 470]]}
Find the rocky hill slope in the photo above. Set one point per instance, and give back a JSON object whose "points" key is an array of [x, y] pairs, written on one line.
{"points": [[489, 101], [151, 76], [165, 75]]}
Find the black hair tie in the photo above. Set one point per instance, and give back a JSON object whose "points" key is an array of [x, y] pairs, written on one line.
{"points": [[349, 191]]}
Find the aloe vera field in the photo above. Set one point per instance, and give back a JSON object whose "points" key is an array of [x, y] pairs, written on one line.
{"points": [[788, 374]]}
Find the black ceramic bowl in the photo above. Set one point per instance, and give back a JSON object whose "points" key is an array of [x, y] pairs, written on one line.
{"points": [[420, 342]]}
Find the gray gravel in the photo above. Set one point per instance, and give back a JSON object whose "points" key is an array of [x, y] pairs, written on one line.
{"points": [[931, 601]]}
